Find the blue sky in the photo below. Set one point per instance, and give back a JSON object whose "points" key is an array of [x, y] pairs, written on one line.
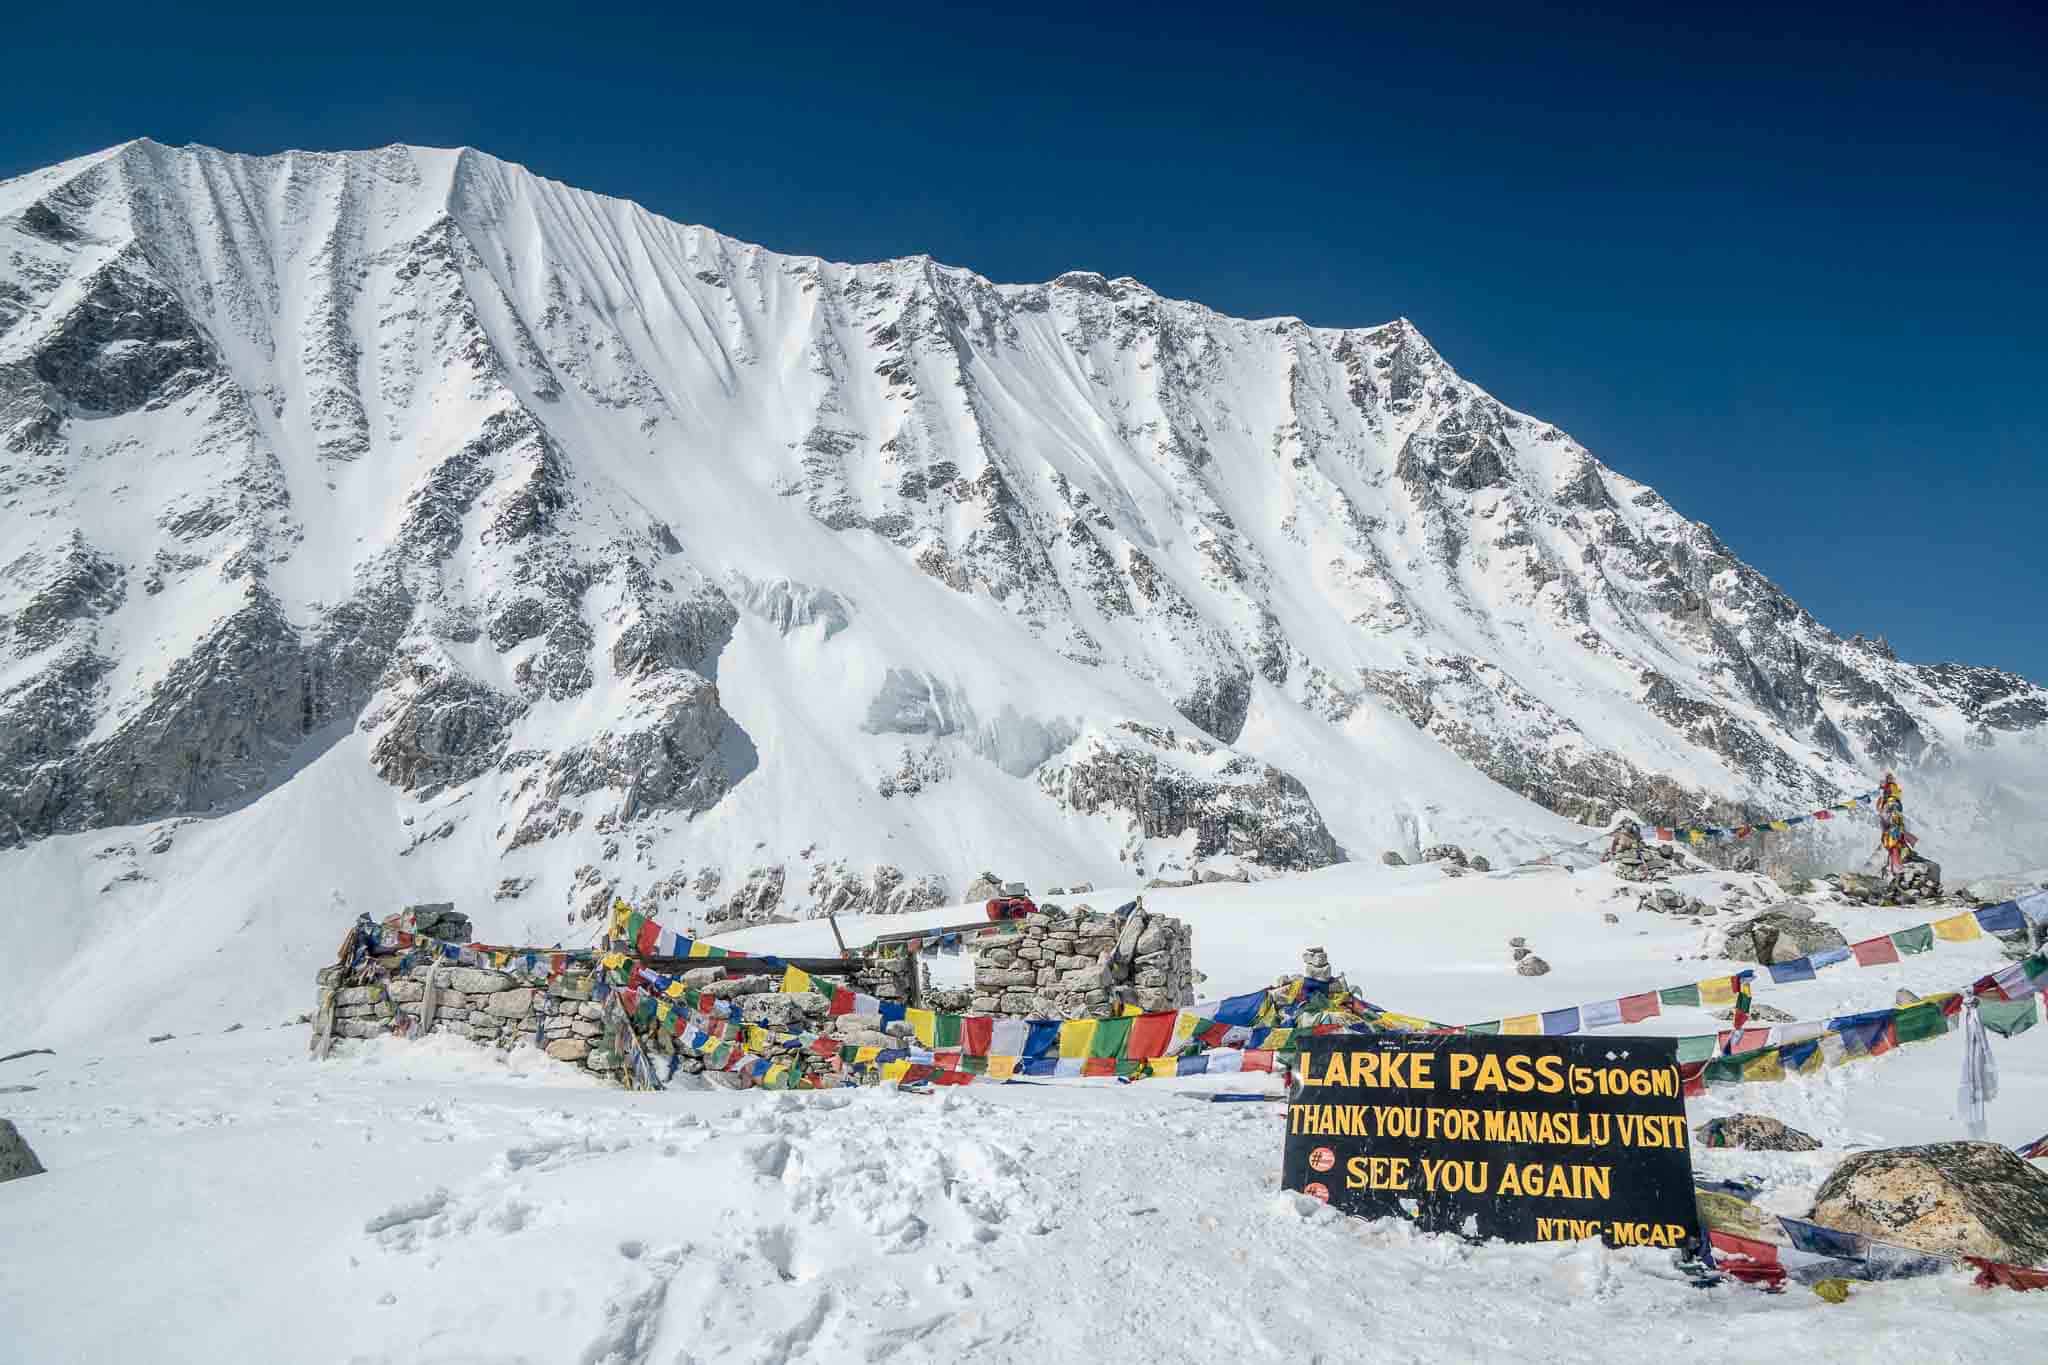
{"points": [[1786, 265]]}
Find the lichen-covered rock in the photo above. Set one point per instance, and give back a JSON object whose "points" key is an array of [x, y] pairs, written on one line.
{"points": [[1754, 1133], [1954, 1198]]}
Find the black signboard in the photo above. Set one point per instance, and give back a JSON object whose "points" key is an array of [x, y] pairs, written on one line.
{"points": [[1523, 1138]]}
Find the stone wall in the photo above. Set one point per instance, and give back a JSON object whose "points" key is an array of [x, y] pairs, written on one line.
{"points": [[1056, 964], [490, 1008], [1078, 964]]}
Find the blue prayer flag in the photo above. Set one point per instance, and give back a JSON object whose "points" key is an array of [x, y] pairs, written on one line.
{"points": [[1043, 1039], [1240, 1009]]}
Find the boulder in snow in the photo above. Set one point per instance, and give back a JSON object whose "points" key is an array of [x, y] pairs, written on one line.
{"points": [[17, 1159], [1754, 1133], [1393, 859], [1953, 1198], [1781, 934], [1532, 966]]}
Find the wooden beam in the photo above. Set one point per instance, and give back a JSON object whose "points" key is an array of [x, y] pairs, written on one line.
{"points": [[749, 966]]}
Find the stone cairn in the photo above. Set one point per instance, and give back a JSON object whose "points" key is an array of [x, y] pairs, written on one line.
{"points": [[1081, 964], [1635, 861]]}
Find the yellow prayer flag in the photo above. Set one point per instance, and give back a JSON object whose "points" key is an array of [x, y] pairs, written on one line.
{"points": [[1765, 1066], [894, 1071], [757, 1038], [1698, 836], [1279, 1039], [1161, 1066], [1076, 1036], [1959, 928], [923, 1023], [1184, 1026], [1001, 1068], [795, 981], [866, 1054], [1522, 1023], [1780, 825], [620, 912], [612, 961], [1719, 991]]}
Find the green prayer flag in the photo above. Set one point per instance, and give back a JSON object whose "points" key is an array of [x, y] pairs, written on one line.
{"points": [[1917, 939], [1725, 1069], [976, 1066], [1490, 1026], [1111, 1035], [1680, 995], [2008, 1018], [945, 1032], [1696, 1047], [1916, 1022], [1130, 1066]]}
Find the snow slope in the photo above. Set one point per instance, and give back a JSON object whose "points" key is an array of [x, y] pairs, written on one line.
{"points": [[429, 1202], [398, 525]]}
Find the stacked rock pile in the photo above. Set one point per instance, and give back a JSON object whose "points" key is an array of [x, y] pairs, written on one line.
{"points": [[1081, 963], [1635, 861]]}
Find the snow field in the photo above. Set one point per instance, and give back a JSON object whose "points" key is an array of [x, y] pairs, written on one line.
{"points": [[431, 1202]]}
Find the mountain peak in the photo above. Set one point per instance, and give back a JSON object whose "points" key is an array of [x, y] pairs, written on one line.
{"points": [[543, 541]]}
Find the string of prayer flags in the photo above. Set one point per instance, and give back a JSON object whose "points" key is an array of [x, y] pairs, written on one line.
{"points": [[1700, 834]]}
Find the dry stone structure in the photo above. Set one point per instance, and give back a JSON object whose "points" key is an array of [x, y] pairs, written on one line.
{"points": [[1052, 964], [1082, 963]]}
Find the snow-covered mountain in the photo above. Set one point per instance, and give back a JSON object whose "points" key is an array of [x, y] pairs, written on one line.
{"points": [[421, 527]]}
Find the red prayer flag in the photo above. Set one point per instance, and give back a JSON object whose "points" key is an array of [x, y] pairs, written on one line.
{"points": [[977, 1031], [1822, 815], [1664, 834], [1213, 1035], [1636, 1008], [842, 1001], [1098, 1066], [649, 939], [1258, 1059], [948, 1060], [1990, 1273], [1747, 1259], [1151, 1036], [1875, 952]]}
